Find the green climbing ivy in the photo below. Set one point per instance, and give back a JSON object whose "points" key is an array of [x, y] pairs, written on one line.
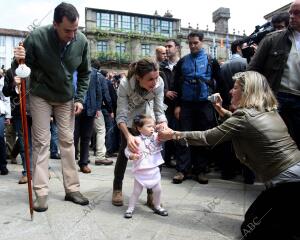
{"points": [[101, 34]]}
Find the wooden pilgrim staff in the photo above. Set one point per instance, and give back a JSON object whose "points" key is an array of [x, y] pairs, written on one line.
{"points": [[23, 71]]}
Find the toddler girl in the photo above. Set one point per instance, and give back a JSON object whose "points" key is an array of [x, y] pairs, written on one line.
{"points": [[146, 165]]}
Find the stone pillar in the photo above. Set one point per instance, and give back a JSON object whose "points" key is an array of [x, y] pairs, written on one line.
{"points": [[135, 49], [220, 18]]}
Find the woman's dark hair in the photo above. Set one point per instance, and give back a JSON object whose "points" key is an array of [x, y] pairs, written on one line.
{"points": [[142, 67], [139, 121], [65, 10]]}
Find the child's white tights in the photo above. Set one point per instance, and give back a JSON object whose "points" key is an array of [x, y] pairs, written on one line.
{"points": [[137, 190]]}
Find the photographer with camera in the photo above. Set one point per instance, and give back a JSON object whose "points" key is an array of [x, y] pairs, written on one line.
{"points": [[250, 43], [278, 58]]}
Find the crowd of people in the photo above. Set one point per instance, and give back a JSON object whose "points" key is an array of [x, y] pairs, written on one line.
{"points": [[166, 111]]}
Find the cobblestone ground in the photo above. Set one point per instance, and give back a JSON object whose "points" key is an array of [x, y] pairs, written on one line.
{"points": [[209, 212]]}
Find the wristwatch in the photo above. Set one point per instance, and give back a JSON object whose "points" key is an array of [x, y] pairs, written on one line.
{"points": [[181, 140], [175, 136]]}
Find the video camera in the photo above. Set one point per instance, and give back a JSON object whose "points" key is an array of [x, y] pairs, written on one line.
{"points": [[254, 38]]}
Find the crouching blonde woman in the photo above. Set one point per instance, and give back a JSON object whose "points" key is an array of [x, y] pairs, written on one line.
{"points": [[262, 142]]}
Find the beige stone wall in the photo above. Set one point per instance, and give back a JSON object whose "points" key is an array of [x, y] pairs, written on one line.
{"points": [[133, 45]]}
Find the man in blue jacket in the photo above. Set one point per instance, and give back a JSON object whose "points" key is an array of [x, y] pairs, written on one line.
{"points": [[192, 80]]}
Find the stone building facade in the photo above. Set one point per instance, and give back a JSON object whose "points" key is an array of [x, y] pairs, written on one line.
{"points": [[284, 8], [118, 38], [9, 38]]}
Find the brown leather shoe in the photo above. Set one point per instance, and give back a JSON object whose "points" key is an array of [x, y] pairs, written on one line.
{"points": [[23, 180], [76, 197], [178, 178], [104, 162], [202, 179], [40, 204], [85, 169], [117, 198]]}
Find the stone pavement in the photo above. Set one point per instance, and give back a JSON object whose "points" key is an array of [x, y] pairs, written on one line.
{"points": [[196, 212]]}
